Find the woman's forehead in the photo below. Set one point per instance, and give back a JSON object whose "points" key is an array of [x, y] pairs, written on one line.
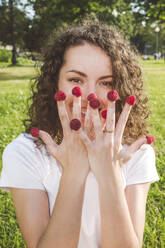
{"points": [[85, 56]]}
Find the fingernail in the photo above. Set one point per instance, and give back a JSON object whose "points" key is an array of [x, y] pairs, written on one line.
{"points": [[112, 95], [150, 139], [59, 96], [94, 103], [76, 91], [131, 100], [104, 113], [34, 132], [75, 124], [91, 96]]}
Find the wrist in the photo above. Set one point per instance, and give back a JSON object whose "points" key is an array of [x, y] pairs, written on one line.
{"points": [[74, 175], [111, 177]]}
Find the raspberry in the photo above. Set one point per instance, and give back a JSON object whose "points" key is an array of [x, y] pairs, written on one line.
{"points": [[131, 100], [91, 96], [75, 124], [150, 139], [76, 91], [60, 96], [34, 132], [112, 95], [104, 113], [94, 103]]}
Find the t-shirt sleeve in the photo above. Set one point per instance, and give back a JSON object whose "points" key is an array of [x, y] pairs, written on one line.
{"points": [[141, 168], [20, 167]]}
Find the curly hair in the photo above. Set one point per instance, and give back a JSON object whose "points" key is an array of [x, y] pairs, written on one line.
{"points": [[43, 112]]}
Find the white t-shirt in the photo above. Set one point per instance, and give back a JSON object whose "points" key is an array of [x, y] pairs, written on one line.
{"points": [[25, 166]]}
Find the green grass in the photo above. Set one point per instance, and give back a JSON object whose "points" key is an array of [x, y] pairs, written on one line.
{"points": [[14, 84]]}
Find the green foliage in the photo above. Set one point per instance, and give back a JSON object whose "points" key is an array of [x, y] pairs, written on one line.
{"points": [[5, 55], [14, 84], [51, 14], [24, 61], [151, 10], [32, 34], [21, 24]]}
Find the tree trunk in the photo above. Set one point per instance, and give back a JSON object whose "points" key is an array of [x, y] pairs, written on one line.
{"points": [[14, 61]]}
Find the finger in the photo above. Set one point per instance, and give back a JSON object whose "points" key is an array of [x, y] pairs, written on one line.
{"points": [[57, 151], [60, 98], [87, 122], [75, 125], [120, 126], [76, 91], [85, 138], [94, 105], [49, 142], [138, 143], [110, 127], [110, 120], [126, 153], [103, 116], [124, 156], [63, 115]]}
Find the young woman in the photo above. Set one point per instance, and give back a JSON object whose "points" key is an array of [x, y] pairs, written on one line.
{"points": [[82, 180]]}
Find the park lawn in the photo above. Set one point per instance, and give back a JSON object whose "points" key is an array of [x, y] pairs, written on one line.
{"points": [[14, 85]]}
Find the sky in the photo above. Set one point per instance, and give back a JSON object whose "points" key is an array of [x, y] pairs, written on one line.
{"points": [[29, 10]]}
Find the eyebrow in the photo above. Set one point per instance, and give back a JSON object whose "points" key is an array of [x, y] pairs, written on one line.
{"points": [[84, 75]]}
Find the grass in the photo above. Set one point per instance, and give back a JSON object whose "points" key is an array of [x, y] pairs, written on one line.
{"points": [[14, 85]]}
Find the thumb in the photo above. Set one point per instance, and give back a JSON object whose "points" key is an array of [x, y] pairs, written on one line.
{"points": [[49, 142], [57, 151], [46, 138]]}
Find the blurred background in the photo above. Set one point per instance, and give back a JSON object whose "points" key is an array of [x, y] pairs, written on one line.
{"points": [[25, 25]]}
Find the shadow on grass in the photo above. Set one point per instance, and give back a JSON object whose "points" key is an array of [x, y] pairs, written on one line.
{"points": [[9, 76], [17, 65]]}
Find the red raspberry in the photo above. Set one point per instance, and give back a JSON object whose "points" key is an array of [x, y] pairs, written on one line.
{"points": [[60, 96], [94, 103], [150, 139], [75, 124], [131, 100], [34, 132], [76, 91], [104, 113], [112, 95], [91, 96]]}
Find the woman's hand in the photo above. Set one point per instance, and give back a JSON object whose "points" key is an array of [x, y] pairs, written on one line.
{"points": [[71, 154], [106, 153]]}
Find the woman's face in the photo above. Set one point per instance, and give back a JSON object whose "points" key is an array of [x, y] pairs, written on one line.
{"points": [[90, 68]]}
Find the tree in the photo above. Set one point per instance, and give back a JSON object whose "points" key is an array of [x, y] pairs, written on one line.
{"points": [[150, 10], [146, 13], [13, 23], [12, 29], [50, 14]]}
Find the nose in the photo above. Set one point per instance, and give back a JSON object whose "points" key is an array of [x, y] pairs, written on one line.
{"points": [[88, 89], [100, 94]]}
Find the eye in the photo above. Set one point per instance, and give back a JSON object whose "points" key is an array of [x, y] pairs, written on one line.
{"points": [[107, 83], [76, 80]]}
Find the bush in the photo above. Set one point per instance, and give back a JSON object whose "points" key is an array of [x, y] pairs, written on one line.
{"points": [[5, 55], [24, 61]]}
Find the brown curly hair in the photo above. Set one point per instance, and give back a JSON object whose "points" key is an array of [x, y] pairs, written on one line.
{"points": [[43, 112]]}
